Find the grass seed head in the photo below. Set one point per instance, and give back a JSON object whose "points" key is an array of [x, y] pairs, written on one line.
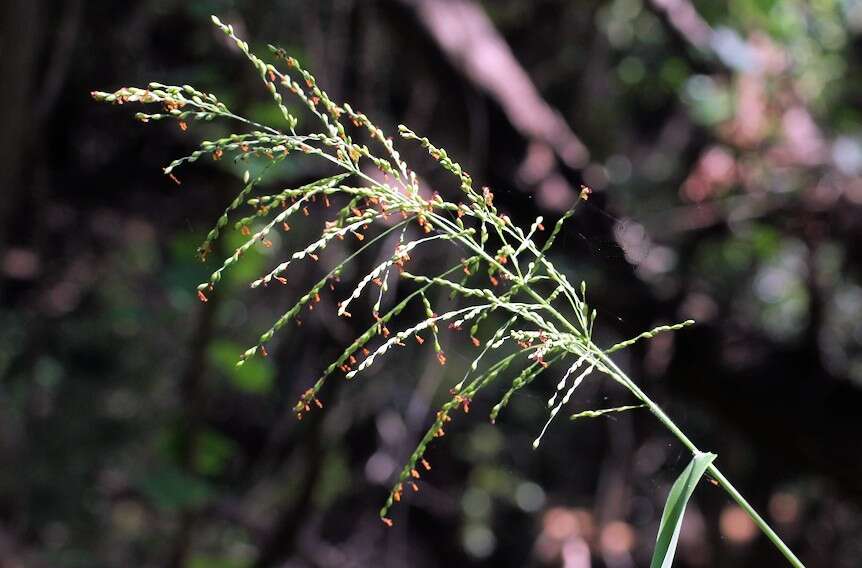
{"points": [[547, 319]]}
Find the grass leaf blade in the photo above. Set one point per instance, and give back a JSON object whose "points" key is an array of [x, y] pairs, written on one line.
{"points": [[674, 508]]}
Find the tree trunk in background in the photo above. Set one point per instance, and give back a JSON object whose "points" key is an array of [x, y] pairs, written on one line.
{"points": [[18, 45]]}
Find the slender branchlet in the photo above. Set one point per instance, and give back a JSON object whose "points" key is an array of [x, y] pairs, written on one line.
{"points": [[505, 270]]}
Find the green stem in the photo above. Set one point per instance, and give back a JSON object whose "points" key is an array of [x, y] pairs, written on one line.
{"points": [[758, 520]]}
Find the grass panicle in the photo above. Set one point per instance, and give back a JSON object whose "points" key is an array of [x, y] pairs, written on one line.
{"points": [[505, 270]]}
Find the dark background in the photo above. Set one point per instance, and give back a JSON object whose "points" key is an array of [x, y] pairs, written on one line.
{"points": [[723, 144]]}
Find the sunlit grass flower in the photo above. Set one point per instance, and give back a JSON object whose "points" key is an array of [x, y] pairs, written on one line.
{"points": [[505, 270]]}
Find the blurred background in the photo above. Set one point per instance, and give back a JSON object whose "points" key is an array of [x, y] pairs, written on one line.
{"points": [[723, 144]]}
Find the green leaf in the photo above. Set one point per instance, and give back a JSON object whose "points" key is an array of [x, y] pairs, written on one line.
{"points": [[256, 376], [674, 508], [213, 453]]}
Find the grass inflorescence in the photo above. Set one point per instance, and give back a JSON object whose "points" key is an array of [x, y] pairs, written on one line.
{"points": [[505, 269]]}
